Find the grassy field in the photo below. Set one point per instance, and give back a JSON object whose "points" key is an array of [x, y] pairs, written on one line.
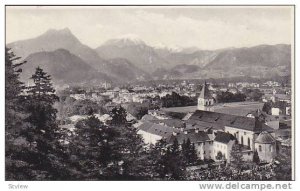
{"points": [[237, 108]]}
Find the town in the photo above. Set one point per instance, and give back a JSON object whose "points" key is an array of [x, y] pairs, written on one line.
{"points": [[254, 118]]}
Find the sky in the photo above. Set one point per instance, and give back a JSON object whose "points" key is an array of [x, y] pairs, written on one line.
{"points": [[203, 27]]}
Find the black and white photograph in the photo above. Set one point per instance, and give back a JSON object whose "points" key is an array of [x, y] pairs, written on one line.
{"points": [[149, 93]]}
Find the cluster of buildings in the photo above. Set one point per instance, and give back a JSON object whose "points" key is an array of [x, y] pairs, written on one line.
{"points": [[214, 133], [213, 128]]}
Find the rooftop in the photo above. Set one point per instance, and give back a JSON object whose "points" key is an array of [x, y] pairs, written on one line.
{"points": [[156, 129], [193, 136], [220, 120], [177, 123], [265, 137], [224, 137]]}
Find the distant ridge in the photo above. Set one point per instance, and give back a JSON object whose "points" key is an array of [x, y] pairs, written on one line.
{"points": [[131, 59]]}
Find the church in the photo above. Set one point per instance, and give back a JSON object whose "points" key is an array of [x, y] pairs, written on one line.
{"points": [[252, 134], [205, 99], [213, 133]]}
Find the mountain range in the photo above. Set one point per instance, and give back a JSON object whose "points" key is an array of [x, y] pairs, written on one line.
{"points": [[69, 61]]}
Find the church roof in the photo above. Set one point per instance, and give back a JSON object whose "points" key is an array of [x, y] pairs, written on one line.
{"points": [[220, 120], [265, 138], [205, 94]]}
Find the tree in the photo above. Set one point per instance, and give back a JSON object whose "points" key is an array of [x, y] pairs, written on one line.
{"points": [[219, 156], [13, 89], [15, 145], [267, 107], [133, 154], [256, 159], [92, 151], [40, 99], [138, 110], [189, 152], [253, 94], [224, 97], [42, 135], [236, 156], [283, 170], [157, 153], [170, 162], [118, 115]]}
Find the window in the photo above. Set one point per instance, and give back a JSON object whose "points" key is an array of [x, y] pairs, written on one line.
{"points": [[270, 148], [204, 152], [244, 133], [249, 142], [242, 140], [259, 148]]}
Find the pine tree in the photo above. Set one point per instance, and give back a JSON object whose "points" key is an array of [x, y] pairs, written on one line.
{"points": [[13, 88], [91, 150], [44, 151], [219, 156], [113, 152], [158, 153], [193, 155], [170, 162], [236, 156], [15, 146], [256, 159], [131, 147], [40, 99], [189, 152], [134, 155]]}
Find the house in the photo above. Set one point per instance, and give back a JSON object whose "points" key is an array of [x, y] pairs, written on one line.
{"points": [[222, 144], [233, 90], [78, 96], [152, 132], [288, 110], [283, 97], [275, 111], [76, 118]]}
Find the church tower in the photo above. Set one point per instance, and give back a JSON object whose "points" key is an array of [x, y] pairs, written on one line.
{"points": [[205, 99]]}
